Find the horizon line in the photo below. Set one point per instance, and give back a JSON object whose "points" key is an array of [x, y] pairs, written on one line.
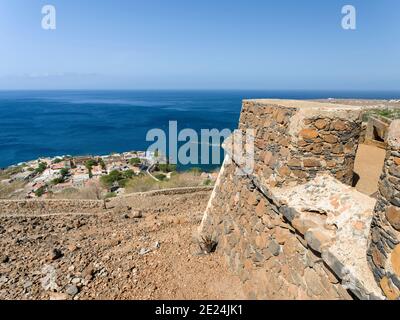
{"points": [[206, 89]]}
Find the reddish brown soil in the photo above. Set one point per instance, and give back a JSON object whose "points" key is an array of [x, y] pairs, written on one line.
{"points": [[101, 255]]}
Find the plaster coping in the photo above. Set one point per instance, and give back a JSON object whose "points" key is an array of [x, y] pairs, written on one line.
{"points": [[342, 234], [394, 134], [303, 104]]}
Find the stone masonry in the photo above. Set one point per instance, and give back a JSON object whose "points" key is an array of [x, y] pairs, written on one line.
{"points": [[384, 248], [294, 228], [297, 140]]}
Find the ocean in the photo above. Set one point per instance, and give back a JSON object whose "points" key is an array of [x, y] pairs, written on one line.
{"points": [[37, 124]]}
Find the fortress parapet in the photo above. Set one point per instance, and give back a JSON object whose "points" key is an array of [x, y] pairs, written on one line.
{"points": [[294, 227]]}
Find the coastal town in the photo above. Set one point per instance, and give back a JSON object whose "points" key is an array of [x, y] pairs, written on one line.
{"points": [[107, 174]]}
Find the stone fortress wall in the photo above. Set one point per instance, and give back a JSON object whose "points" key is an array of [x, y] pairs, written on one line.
{"points": [[295, 228], [384, 247]]}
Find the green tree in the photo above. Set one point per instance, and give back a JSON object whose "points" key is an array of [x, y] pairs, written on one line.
{"points": [[128, 174], [57, 181], [160, 176], [39, 192], [90, 163], [114, 176], [64, 172], [102, 164], [166, 167], [41, 167], [135, 161]]}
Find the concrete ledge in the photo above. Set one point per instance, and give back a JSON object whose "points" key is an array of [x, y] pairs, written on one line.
{"points": [[335, 221]]}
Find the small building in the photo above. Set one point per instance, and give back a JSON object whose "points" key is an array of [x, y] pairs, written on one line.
{"points": [[46, 176], [77, 161], [80, 169], [79, 180], [24, 175], [61, 165], [97, 171]]}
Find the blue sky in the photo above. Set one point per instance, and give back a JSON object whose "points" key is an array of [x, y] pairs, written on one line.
{"points": [[186, 44]]}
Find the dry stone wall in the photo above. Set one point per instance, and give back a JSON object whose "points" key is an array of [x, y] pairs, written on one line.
{"points": [[296, 141], [43, 207], [261, 246], [384, 249], [55, 206], [294, 228]]}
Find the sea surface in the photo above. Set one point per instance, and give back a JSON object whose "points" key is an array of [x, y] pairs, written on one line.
{"points": [[36, 124]]}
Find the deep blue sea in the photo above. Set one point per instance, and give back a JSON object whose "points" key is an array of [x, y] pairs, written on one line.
{"points": [[48, 123]]}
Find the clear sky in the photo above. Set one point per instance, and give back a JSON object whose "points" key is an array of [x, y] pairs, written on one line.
{"points": [[200, 44]]}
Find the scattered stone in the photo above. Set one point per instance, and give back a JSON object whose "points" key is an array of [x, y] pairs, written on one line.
{"points": [[89, 272], [49, 281], [261, 208], [313, 281], [137, 214], [72, 248], [4, 259], [55, 254], [71, 290], [115, 242], [281, 235], [28, 284], [144, 251], [3, 279], [252, 199], [274, 248]]}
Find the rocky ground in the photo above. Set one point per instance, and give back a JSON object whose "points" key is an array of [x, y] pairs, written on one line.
{"points": [[144, 253]]}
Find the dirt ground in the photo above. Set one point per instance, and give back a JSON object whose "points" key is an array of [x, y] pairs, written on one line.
{"points": [[113, 256]]}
